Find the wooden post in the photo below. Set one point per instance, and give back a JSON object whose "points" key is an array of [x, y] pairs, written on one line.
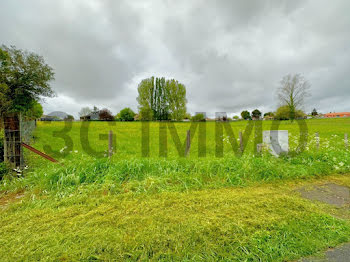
{"points": [[346, 141], [188, 142], [110, 144], [317, 135], [241, 141]]}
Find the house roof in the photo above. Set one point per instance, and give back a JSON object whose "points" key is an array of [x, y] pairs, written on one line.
{"points": [[338, 114]]}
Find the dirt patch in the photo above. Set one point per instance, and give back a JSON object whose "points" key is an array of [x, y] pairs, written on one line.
{"points": [[330, 193], [5, 200]]}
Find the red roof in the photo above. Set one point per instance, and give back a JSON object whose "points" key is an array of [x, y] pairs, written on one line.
{"points": [[340, 114]]}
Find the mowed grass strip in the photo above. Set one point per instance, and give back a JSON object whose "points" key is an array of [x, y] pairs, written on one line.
{"points": [[260, 223]]}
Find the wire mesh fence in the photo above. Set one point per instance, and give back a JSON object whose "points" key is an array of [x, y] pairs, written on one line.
{"points": [[17, 130]]}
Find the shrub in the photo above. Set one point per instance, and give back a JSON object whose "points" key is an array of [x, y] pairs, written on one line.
{"points": [[127, 114], [3, 169], [1, 146], [283, 113], [198, 118]]}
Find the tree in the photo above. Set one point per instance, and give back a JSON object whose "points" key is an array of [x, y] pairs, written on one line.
{"points": [[95, 110], [199, 117], [105, 115], [24, 79], [145, 98], [283, 113], [246, 115], [127, 114], [176, 93], [314, 112], [256, 114], [269, 115], [35, 111], [85, 111], [161, 99], [293, 90], [187, 116], [235, 117]]}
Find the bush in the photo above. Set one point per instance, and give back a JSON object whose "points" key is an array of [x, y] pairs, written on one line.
{"points": [[198, 118], [3, 169], [1, 147], [127, 114], [283, 113]]}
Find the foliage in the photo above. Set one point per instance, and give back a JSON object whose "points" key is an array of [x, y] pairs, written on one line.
{"points": [[161, 99], [246, 115], [314, 112], [117, 117], [176, 93], [85, 111], [283, 113], [35, 111], [24, 78], [235, 117], [271, 114], [256, 114], [187, 116], [95, 110], [292, 92], [199, 117], [4, 169], [69, 118], [126, 114], [1, 145], [105, 115]]}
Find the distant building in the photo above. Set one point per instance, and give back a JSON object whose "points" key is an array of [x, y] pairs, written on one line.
{"points": [[50, 118], [92, 116], [333, 115]]}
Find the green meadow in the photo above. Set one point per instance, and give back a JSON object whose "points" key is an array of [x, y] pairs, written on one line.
{"points": [[199, 207]]}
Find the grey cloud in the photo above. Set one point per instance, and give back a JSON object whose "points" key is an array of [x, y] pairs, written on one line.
{"points": [[231, 55]]}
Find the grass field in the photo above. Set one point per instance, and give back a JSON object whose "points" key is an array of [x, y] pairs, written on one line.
{"points": [[172, 208]]}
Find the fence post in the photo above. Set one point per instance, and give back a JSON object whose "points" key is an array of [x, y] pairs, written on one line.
{"points": [[317, 135], [346, 141], [241, 141], [188, 142], [110, 144]]}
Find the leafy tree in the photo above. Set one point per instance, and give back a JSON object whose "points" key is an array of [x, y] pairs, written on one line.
{"points": [[187, 116], [127, 114], [35, 111], [314, 112], [235, 117], [95, 110], [199, 117], [176, 93], [117, 117], [69, 118], [256, 114], [24, 78], [293, 90], [161, 99], [283, 113], [269, 114], [146, 98], [246, 115], [85, 111], [105, 115]]}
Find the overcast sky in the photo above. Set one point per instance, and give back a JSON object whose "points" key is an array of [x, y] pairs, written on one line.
{"points": [[230, 54]]}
